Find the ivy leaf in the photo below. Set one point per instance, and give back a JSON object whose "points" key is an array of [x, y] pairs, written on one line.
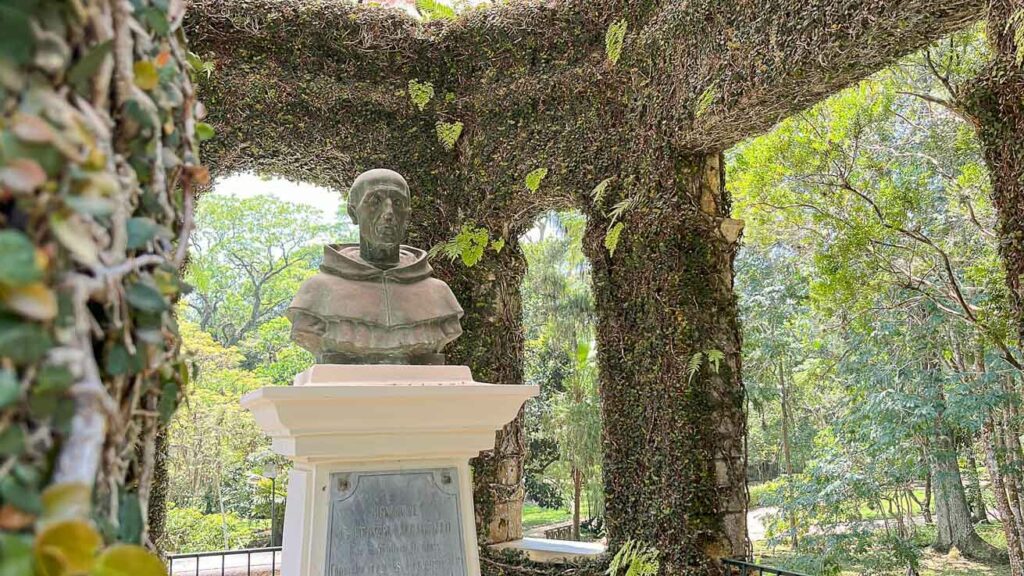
{"points": [[168, 401], [10, 390], [23, 342], [204, 131], [71, 544], [614, 39], [146, 76], [129, 518], [140, 231], [420, 93], [144, 297], [16, 39], [128, 560], [73, 234], [611, 238], [35, 301], [66, 501], [22, 176], [85, 69], [22, 496], [12, 440], [534, 178], [16, 551], [19, 255], [53, 378], [157, 20]]}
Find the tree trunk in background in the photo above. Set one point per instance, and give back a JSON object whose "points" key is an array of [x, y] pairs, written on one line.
{"points": [[926, 506], [674, 467], [993, 101], [952, 514], [974, 496], [1010, 526], [786, 451], [492, 346], [577, 491]]}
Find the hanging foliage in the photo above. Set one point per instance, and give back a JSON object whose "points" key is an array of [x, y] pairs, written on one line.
{"points": [[98, 163]]}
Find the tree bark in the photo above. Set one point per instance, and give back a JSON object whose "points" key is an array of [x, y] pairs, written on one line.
{"points": [[674, 467], [979, 513], [992, 100], [577, 490], [952, 514], [787, 455], [1010, 526]]}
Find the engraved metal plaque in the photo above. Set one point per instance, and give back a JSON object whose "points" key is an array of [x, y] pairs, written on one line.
{"points": [[403, 523]]}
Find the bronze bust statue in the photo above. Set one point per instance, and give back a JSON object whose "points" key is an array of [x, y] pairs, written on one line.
{"points": [[376, 302]]}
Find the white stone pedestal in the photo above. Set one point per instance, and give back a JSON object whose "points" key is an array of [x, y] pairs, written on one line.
{"points": [[352, 428]]}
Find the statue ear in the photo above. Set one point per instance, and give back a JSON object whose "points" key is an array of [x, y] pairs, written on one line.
{"points": [[352, 213]]}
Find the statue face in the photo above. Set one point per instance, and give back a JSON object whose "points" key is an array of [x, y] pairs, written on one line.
{"points": [[383, 215]]}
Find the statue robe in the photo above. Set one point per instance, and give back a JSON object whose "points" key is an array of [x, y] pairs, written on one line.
{"points": [[353, 311]]}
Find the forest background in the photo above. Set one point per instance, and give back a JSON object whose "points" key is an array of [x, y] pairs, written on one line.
{"points": [[883, 382]]}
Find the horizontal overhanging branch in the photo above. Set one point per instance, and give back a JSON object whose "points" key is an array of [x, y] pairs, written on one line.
{"points": [[764, 61]]}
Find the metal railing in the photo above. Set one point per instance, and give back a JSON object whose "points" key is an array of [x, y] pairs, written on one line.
{"points": [[257, 562], [744, 568]]}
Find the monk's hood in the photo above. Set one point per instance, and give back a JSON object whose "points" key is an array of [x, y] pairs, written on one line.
{"points": [[343, 260]]}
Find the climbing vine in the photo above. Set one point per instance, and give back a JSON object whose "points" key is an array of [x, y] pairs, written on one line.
{"points": [[98, 164]]}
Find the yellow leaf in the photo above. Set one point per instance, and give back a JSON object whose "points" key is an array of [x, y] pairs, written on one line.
{"points": [[34, 301], [72, 544], [128, 560], [73, 233], [66, 501], [146, 76]]}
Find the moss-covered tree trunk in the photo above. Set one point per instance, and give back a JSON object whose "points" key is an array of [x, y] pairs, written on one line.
{"points": [[97, 160], [669, 355], [993, 100], [492, 345]]}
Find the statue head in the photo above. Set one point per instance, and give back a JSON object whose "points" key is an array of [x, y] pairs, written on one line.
{"points": [[378, 203]]}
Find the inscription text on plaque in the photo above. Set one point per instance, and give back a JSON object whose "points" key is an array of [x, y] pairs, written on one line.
{"points": [[402, 523]]}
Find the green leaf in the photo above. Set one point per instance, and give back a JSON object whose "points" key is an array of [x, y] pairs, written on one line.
{"points": [[614, 39], [497, 244], [10, 390], [128, 560], [168, 401], [16, 39], [23, 342], [84, 70], [12, 440], [143, 296], [448, 133], [611, 238], [140, 231], [130, 519], [715, 358], [693, 366], [53, 378], [706, 99], [420, 93], [204, 131], [597, 194], [146, 76], [21, 496], [15, 555], [434, 10], [157, 20], [534, 178], [19, 259]]}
